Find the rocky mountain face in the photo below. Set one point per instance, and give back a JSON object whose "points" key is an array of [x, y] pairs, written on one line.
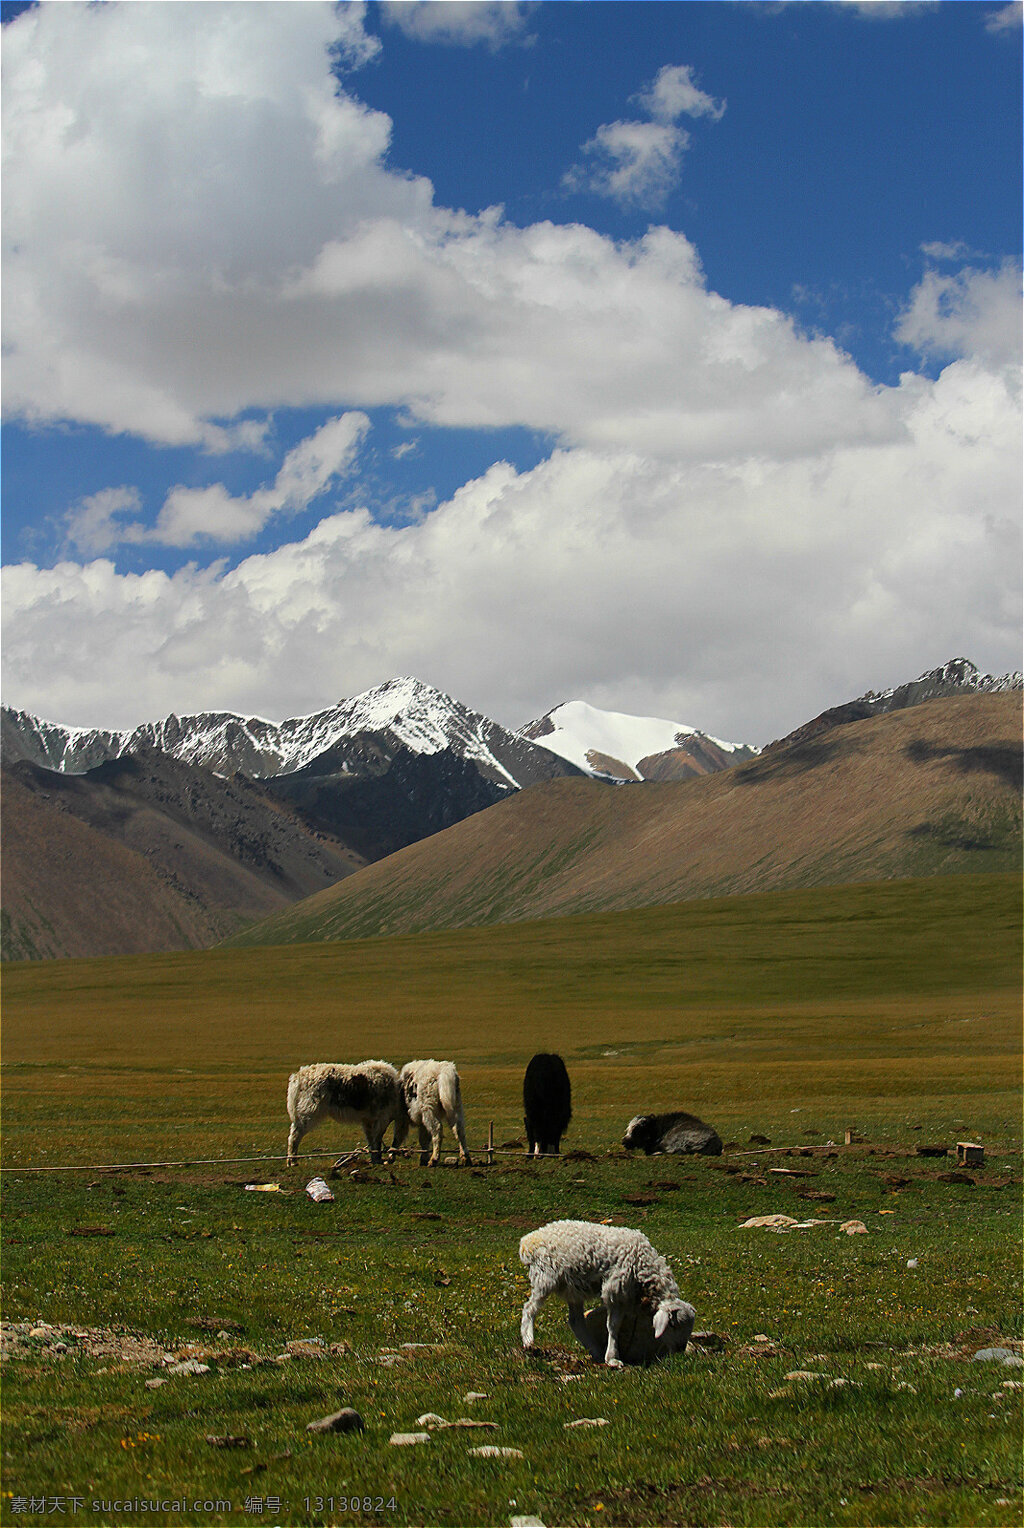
{"points": [[957, 677], [187, 828]]}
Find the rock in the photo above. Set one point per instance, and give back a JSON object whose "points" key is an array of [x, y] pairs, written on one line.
{"points": [[345, 1420], [804, 1374], [228, 1440], [476, 1395], [587, 1422], [406, 1440], [854, 1228], [1004, 1356], [1013, 1384], [431, 1419], [526, 1522], [154, 1384], [769, 1223], [492, 1451], [189, 1366], [306, 1347]]}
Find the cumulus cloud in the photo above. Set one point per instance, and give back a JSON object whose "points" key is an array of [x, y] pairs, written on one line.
{"points": [[635, 163], [460, 23], [732, 509], [674, 588], [974, 312], [674, 93]]}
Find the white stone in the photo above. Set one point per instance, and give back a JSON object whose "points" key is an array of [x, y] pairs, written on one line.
{"points": [[406, 1440]]}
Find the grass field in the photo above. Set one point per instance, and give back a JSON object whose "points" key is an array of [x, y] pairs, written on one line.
{"points": [[892, 1009]]}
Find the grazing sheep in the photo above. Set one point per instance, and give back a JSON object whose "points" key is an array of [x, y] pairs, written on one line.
{"points": [[547, 1103], [578, 1259], [676, 1133], [367, 1092], [430, 1095]]}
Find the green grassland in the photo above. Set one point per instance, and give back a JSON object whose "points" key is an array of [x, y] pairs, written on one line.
{"points": [[891, 1009]]}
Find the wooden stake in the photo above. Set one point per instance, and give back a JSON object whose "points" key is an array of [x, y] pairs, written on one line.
{"points": [[490, 1144]]}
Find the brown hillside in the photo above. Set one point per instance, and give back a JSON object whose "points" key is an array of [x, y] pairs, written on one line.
{"points": [[147, 853], [933, 790]]}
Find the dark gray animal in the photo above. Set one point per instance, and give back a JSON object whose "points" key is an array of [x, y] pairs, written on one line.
{"points": [[547, 1103], [678, 1134]]}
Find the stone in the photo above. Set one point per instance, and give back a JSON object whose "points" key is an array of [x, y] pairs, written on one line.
{"points": [[526, 1522], [1004, 1356], [345, 1420], [431, 1419], [854, 1228], [804, 1374], [228, 1440], [492, 1451], [189, 1366], [768, 1223], [407, 1440], [587, 1422], [476, 1395], [154, 1384]]}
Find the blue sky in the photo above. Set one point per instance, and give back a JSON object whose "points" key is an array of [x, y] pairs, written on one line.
{"points": [[664, 355]]}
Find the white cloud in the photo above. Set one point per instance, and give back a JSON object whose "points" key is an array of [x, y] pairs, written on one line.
{"points": [[634, 163], [674, 93], [190, 516], [1007, 19], [461, 23], [734, 511], [973, 313], [953, 250], [739, 595], [637, 164]]}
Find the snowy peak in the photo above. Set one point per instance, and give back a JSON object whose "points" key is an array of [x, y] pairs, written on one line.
{"points": [[631, 747], [401, 714]]}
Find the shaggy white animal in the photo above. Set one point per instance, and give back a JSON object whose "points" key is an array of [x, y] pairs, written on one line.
{"points": [[430, 1095], [366, 1092], [579, 1260]]}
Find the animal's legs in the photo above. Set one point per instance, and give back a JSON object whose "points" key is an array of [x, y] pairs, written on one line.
{"points": [[531, 1311], [424, 1144], [295, 1135], [578, 1327], [614, 1313], [374, 1138], [436, 1133], [459, 1127]]}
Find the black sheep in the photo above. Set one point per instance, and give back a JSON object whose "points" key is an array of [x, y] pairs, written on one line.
{"points": [[673, 1133], [547, 1103]]}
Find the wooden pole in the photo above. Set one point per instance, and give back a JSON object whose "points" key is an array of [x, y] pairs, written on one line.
{"points": [[490, 1144]]}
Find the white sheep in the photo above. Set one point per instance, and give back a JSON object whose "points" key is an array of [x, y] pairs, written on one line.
{"points": [[431, 1094], [579, 1260], [366, 1091]]}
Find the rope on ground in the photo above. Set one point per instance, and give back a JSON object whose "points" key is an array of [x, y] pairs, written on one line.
{"points": [[308, 1156]]}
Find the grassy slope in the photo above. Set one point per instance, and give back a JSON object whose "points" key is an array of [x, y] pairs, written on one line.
{"points": [[933, 790], [892, 1008]]}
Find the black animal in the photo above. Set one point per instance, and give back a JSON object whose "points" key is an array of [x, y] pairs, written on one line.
{"points": [[547, 1103], [676, 1133]]}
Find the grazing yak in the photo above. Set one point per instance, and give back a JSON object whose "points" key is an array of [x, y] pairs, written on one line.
{"points": [[431, 1094], [577, 1259], [547, 1103], [676, 1133], [366, 1092]]}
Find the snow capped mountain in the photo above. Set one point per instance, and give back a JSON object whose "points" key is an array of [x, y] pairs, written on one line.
{"points": [[631, 747], [402, 714]]}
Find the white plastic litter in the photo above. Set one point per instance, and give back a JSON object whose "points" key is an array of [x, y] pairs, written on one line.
{"points": [[317, 1189]]}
